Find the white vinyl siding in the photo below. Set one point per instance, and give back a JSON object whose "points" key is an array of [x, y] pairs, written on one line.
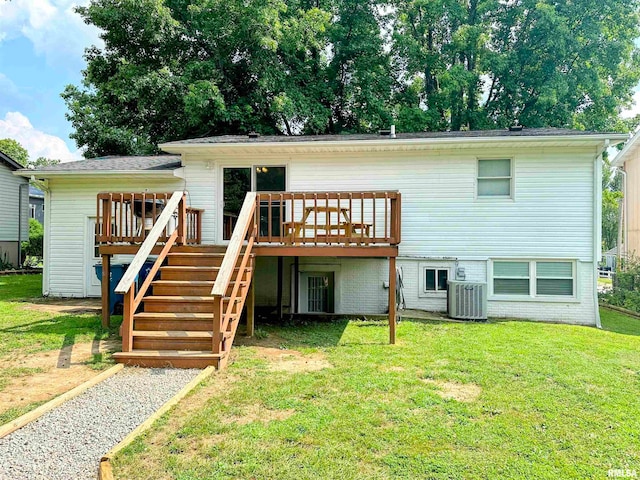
{"points": [[72, 202], [534, 278], [9, 202], [495, 178]]}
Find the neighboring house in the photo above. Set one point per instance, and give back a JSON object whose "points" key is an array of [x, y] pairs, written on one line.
{"points": [[517, 210], [36, 204], [628, 161], [14, 210]]}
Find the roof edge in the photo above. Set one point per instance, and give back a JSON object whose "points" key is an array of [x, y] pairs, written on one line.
{"points": [[619, 159], [10, 161], [168, 172], [176, 147]]}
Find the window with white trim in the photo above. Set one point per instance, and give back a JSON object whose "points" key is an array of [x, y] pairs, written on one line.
{"points": [[433, 279], [544, 278], [32, 210], [495, 178]]}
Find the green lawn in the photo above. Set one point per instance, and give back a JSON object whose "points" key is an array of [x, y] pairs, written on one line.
{"points": [[26, 330], [534, 401]]}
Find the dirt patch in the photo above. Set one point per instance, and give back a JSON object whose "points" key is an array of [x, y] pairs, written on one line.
{"points": [[292, 361], [71, 306], [258, 413], [462, 392], [60, 371]]}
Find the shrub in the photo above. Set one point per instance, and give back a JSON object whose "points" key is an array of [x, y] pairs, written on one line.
{"points": [[626, 287], [34, 246]]}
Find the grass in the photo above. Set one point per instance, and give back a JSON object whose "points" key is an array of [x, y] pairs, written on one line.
{"points": [[26, 331], [508, 399]]}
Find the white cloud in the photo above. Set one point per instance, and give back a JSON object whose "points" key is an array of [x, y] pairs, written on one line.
{"points": [[52, 26], [634, 109], [38, 143]]}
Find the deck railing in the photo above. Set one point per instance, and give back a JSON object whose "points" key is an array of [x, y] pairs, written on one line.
{"points": [[129, 217], [328, 218], [227, 309]]}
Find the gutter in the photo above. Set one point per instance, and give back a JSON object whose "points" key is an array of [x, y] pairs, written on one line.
{"points": [[20, 190], [177, 172], [175, 147]]}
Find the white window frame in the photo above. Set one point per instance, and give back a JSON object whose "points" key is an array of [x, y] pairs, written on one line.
{"points": [[533, 296], [512, 180], [33, 209], [422, 280]]}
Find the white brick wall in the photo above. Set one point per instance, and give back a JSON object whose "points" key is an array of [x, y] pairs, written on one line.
{"points": [[359, 288]]}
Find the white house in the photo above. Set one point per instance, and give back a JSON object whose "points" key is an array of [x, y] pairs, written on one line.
{"points": [[14, 210], [516, 209]]}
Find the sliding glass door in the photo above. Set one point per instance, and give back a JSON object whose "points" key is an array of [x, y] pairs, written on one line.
{"points": [[237, 181]]}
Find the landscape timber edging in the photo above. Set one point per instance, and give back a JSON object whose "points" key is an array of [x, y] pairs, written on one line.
{"points": [[105, 471], [29, 417]]}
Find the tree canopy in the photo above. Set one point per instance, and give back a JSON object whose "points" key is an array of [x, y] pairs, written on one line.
{"points": [[14, 150], [172, 69]]}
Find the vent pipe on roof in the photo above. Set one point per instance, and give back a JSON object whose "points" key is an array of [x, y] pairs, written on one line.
{"points": [[392, 132]]}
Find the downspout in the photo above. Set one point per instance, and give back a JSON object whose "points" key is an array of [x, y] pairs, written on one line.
{"points": [[20, 221], [597, 225], [625, 206]]}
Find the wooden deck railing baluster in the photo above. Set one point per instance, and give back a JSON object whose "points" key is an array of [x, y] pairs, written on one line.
{"points": [[323, 218]]}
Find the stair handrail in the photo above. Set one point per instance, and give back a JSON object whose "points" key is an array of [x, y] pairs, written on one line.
{"points": [[246, 223], [149, 243]]}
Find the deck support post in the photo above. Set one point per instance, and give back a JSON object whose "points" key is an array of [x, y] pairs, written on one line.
{"points": [[392, 300], [296, 284], [280, 275], [250, 310], [127, 320], [106, 294]]}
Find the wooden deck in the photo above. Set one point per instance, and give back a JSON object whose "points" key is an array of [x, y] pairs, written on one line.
{"points": [[189, 316]]}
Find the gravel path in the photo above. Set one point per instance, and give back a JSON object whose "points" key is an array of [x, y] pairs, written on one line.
{"points": [[68, 442]]}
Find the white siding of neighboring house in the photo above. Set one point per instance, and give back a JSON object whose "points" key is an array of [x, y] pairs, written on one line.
{"points": [[9, 186], [72, 202]]}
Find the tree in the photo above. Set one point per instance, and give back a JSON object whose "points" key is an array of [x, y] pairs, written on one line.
{"points": [[14, 150], [486, 63], [42, 162], [171, 69]]}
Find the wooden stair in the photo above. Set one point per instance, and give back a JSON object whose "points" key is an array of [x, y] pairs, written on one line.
{"points": [[173, 327]]}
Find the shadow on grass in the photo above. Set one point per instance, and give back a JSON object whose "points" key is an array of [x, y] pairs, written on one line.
{"points": [[70, 328], [292, 335]]}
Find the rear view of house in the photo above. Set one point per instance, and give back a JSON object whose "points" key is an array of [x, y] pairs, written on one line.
{"points": [[328, 224], [14, 211]]}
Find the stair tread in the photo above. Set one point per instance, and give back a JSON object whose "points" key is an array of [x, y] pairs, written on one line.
{"points": [[178, 298], [193, 268], [196, 254], [169, 354], [191, 282], [175, 316], [172, 334]]}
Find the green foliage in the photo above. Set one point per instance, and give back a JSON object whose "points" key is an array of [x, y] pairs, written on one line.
{"points": [[14, 150], [42, 162], [626, 286], [171, 69], [34, 247]]}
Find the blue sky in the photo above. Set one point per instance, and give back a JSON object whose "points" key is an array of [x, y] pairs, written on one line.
{"points": [[41, 47]]}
